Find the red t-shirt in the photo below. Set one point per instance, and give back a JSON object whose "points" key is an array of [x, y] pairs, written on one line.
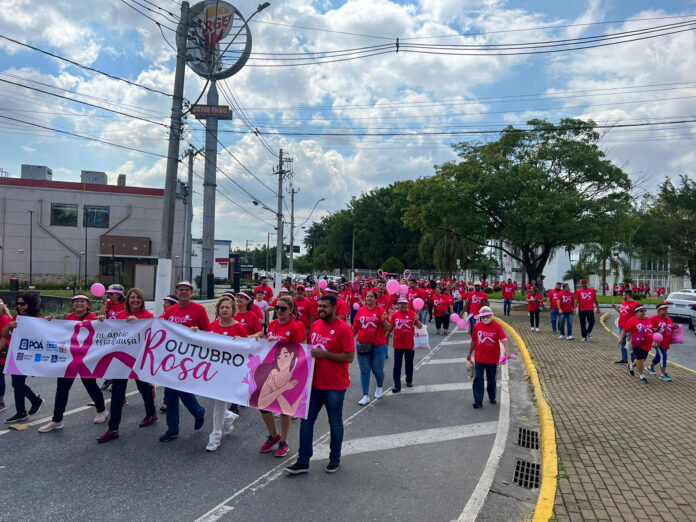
{"points": [[565, 301], [355, 297], [441, 304], [533, 301], [193, 314], [635, 325], [4, 321], [305, 310], [627, 311], [404, 329], [486, 339], [236, 330], [665, 326], [89, 316], [342, 308], [250, 321], [415, 293], [292, 331], [552, 296], [368, 325], [267, 292], [335, 337], [585, 298], [112, 309], [386, 301], [508, 291], [476, 300], [257, 310], [143, 314]]}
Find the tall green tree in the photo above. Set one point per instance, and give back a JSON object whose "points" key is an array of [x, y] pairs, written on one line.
{"points": [[529, 192]]}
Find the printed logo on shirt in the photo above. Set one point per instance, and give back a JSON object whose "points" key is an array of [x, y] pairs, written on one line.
{"points": [[585, 295], [567, 298], [368, 322], [485, 337], [180, 320], [403, 324]]}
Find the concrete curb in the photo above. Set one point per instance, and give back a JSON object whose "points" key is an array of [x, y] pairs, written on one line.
{"points": [[549, 467]]}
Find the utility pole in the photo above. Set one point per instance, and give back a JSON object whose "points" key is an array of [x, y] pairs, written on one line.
{"points": [[31, 242], [164, 265], [209, 186], [187, 271], [292, 228], [279, 237], [352, 258], [268, 247]]}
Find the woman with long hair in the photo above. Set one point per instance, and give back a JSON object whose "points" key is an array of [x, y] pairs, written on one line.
{"points": [[5, 318], [81, 312], [285, 329], [371, 325], [27, 305], [246, 315]]}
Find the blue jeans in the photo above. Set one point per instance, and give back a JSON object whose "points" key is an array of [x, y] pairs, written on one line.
{"points": [[566, 317], [663, 351], [554, 318], [423, 314], [477, 386], [458, 307], [333, 401], [171, 397], [472, 322], [507, 306], [372, 362], [353, 313], [624, 351]]}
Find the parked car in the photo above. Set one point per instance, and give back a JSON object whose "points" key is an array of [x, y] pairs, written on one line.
{"points": [[682, 305]]}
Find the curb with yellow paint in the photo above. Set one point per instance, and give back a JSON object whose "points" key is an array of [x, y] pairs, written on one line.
{"points": [[549, 465]]}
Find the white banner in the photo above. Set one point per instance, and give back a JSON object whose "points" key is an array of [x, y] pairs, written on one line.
{"points": [[269, 375]]}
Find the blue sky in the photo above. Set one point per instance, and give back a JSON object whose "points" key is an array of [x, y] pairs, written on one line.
{"points": [[404, 92]]}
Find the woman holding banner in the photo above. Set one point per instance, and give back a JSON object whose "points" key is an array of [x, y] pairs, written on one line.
{"points": [[81, 312], [134, 309], [277, 380], [225, 324], [27, 305], [5, 319]]}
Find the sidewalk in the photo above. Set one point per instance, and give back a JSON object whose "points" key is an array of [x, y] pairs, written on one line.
{"points": [[626, 451]]}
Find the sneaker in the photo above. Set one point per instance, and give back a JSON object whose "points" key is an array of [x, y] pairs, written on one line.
{"points": [[332, 466], [51, 426], [198, 422], [589, 336], [622, 361], [630, 370], [169, 435], [101, 417], [583, 339], [477, 405], [665, 377], [378, 393], [297, 468], [643, 379], [270, 442], [17, 417], [212, 446], [148, 421], [561, 336], [493, 401], [651, 371], [2, 406], [107, 436], [536, 329], [570, 338], [396, 390], [230, 420], [364, 400], [36, 407], [532, 328], [106, 384], [283, 449]]}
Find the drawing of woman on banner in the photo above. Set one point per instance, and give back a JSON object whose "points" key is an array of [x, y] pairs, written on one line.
{"points": [[280, 379]]}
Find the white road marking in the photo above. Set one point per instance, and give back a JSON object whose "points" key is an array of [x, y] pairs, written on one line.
{"points": [[427, 388], [461, 360], [457, 342], [411, 438], [478, 497]]}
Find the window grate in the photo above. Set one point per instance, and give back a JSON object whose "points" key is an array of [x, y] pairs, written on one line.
{"points": [[528, 438], [527, 474]]}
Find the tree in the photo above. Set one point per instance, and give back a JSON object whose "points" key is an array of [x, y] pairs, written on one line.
{"points": [[526, 194], [576, 273], [444, 248], [393, 265]]}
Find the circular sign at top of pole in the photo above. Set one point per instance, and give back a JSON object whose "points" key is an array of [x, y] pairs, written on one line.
{"points": [[218, 40]]}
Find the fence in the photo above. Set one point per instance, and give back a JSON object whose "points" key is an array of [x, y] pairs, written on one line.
{"points": [[49, 304]]}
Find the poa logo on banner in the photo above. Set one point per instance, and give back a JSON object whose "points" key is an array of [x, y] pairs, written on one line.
{"points": [[30, 344]]}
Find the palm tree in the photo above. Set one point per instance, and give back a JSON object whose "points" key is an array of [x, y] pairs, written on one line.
{"points": [[576, 273], [603, 259]]}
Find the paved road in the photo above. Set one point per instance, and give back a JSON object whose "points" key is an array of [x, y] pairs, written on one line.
{"points": [[413, 456]]}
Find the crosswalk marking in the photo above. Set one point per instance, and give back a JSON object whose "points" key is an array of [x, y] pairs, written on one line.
{"points": [[461, 360], [427, 388]]}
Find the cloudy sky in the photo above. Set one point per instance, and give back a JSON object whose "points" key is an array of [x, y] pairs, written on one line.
{"points": [[358, 117]]}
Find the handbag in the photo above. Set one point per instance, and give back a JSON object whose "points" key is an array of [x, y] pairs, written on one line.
{"points": [[678, 335]]}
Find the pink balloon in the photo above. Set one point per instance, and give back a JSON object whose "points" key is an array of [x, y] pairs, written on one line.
{"points": [[657, 337], [403, 289], [97, 289], [455, 318], [356, 306], [502, 360], [461, 324], [418, 303], [323, 283], [392, 286]]}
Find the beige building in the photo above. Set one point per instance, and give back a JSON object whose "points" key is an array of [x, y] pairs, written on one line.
{"points": [[92, 230]]}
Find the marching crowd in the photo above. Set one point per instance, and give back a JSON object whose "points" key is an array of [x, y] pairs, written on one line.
{"points": [[337, 320]]}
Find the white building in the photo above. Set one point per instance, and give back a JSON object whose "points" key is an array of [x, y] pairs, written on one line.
{"points": [[106, 233], [222, 264]]}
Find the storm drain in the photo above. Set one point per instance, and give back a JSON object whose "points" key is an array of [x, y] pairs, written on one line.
{"points": [[528, 438], [526, 474]]}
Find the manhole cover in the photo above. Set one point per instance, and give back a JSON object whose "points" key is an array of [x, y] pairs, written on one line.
{"points": [[526, 474], [528, 438]]}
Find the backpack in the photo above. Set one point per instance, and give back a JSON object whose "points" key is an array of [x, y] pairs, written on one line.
{"points": [[638, 338]]}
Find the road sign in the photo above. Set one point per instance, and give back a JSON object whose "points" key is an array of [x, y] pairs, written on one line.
{"points": [[221, 112]]}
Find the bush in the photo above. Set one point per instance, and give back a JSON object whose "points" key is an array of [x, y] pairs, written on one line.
{"points": [[393, 265], [488, 290], [638, 297], [497, 288]]}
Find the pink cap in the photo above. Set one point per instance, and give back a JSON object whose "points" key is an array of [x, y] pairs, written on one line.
{"points": [[78, 296], [185, 283], [244, 294]]}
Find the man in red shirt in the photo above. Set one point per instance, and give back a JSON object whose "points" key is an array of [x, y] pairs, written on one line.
{"points": [[475, 300], [267, 290], [585, 302], [305, 307], [626, 311], [552, 296], [334, 350], [194, 316], [508, 295], [566, 305]]}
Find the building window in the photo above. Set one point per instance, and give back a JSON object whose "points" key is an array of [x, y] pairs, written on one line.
{"points": [[96, 217], [110, 267], [63, 215]]}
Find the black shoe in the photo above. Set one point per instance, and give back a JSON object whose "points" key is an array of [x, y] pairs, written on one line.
{"points": [[198, 423], [493, 401], [163, 408], [107, 383], [477, 405], [36, 406], [622, 361], [297, 468], [409, 385], [396, 390], [17, 417], [332, 466], [169, 435]]}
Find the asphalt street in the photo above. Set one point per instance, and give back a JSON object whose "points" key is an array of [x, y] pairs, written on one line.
{"points": [[417, 455]]}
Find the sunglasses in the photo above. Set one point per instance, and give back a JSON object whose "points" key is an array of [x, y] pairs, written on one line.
{"points": [[281, 308], [22, 303]]}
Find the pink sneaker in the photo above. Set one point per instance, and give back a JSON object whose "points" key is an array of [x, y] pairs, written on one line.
{"points": [[101, 417], [283, 449], [270, 442]]}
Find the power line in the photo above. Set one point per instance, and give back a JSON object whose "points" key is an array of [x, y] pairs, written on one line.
{"points": [[145, 15]]}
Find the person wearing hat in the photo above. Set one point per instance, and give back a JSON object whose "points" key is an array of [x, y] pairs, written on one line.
{"points": [[113, 302], [403, 324], [170, 300], [80, 305], [305, 307], [474, 301], [626, 311], [245, 315], [640, 328], [485, 345], [585, 303], [194, 316], [662, 324]]}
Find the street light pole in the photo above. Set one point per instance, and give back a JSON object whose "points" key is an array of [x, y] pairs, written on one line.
{"points": [[31, 242], [279, 239]]}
